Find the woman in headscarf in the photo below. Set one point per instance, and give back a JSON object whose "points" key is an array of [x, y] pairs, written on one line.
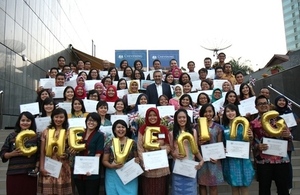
{"points": [[154, 181], [111, 94], [80, 92], [178, 92], [132, 88], [216, 95], [101, 90]]}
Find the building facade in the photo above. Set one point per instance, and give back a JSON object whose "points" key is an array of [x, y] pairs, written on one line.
{"points": [[33, 34], [291, 15]]}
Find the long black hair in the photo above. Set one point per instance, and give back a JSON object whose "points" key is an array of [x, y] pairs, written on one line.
{"points": [[226, 120], [81, 102], [95, 116], [47, 101], [176, 127], [30, 117]]}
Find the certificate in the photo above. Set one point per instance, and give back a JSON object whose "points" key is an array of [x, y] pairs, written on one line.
{"points": [[114, 118], [33, 108], [131, 98], [191, 115], [196, 85], [65, 105], [166, 110], [142, 108], [47, 83], [122, 92], [276, 147], [107, 131], [72, 83], [155, 160], [218, 105], [185, 167], [111, 109], [58, 92], [103, 73], [90, 84], [76, 122], [42, 123], [53, 167], [194, 96], [211, 74], [213, 151], [289, 119], [145, 84], [218, 83], [237, 89], [194, 76], [129, 171], [90, 105], [84, 164], [247, 106], [237, 149]]}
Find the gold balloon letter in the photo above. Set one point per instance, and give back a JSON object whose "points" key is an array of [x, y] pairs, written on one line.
{"points": [[21, 138], [54, 143], [233, 130], [150, 142], [265, 121], [121, 154], [74, 140], [183, 136], [203, 129]]}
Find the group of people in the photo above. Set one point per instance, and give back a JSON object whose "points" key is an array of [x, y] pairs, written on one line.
{"points": [[173, 88]]}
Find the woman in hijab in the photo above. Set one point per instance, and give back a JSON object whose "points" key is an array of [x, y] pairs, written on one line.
{"points": [[178, 92]]}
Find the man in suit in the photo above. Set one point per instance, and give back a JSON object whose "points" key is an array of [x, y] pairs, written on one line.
{"points": [[158, 88]]}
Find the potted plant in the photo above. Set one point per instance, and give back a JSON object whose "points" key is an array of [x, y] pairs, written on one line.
{"points": [[275, 69]]}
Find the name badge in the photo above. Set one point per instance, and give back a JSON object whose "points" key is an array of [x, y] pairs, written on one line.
{"points": [[161, 136]]}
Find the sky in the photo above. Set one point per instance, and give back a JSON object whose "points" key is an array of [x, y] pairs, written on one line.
{"points": [[254, 29]]}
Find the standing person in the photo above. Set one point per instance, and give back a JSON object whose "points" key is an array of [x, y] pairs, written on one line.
{"points": [[69, 94], [111, 94], [238, 173], [211, 174], [154, 181], [113, 73], [158, 88], [182, 184], [78, 109], [207, 63], [42, 95], [62, 184], [18, 180], [48, 107], [106, 65], [191, 66], [269, 167], [178, 92], [113, 183], [94, 141], [101, 90], [281, 106]]}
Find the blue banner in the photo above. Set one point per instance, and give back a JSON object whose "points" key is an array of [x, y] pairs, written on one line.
{"points": [[164, 56], [131, 56]]}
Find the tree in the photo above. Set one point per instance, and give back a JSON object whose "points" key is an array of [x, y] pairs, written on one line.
{"points": [[238, 65]]}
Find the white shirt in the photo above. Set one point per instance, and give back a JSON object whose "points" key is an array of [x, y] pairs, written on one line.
{"points": [[159, 89]]}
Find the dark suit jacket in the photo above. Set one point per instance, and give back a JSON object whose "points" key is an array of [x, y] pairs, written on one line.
{"points": [[151, 92]]}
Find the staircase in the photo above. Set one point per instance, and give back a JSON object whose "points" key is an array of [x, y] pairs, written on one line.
{"points": [[223, 189]]}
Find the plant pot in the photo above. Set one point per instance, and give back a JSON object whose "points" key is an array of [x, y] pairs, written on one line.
{"points": [[274, 71]]}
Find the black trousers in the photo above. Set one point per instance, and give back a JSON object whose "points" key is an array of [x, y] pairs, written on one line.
{"points": [[277, 172], [87, 187]]}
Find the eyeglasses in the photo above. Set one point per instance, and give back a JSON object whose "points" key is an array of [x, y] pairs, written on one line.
{"points": [[91, 121], [262, 103]]}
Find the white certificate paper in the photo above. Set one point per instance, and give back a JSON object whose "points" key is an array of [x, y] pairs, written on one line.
{"points": [[142, 108], [237, 149], [289, 119], [114, 118], [65, 105], [131, 98], [247, 106], [213, 151], [185, 167], [42, 123], [58, 92], [33, 108], [155, 160], [84, 164], [76, 122], [129, 171], [53, 167], [276, 147], [47, 83], [89, 84], [166, 110], [111, 108], [122, 92], [90, 105]]}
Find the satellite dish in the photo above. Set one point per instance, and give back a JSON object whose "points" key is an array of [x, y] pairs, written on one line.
{"points": [[215, 45]]}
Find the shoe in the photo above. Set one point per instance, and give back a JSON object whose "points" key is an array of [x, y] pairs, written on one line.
{"points": [[290, 191]]}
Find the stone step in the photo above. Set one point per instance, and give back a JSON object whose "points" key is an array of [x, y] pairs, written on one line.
{"points": [[295, 160]]}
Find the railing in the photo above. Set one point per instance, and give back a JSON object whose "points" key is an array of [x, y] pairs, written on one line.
{"points": [[1, 109], [293, 102]]}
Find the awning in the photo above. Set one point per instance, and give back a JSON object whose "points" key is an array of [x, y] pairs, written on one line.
{"points": [[96, 62]]}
